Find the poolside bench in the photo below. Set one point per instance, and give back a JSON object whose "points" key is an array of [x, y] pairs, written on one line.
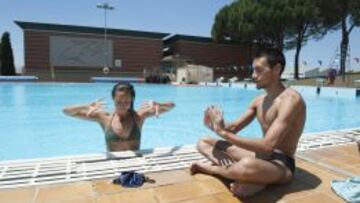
{"points": [[18, 78]]}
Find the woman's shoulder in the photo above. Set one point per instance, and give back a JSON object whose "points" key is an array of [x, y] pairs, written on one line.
{"points": [[138, 116], [103, 116]]}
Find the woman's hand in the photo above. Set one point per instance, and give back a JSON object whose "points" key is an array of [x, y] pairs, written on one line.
{"points": [[95, 106], [151, 107]]}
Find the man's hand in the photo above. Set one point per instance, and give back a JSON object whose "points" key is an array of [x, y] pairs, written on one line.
{"points": [[95, 106], [214, 119]]}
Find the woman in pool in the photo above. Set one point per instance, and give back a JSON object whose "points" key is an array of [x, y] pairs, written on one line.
{"points": [[122, 128]]}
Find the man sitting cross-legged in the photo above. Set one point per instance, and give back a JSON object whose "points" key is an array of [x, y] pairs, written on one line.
{"points": [[253, 164]]}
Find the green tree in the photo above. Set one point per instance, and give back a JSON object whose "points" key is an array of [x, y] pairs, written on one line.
{"points": [[259, 22], [219, 30], [7, 58], [284, 24], [346, 14], [255, 24], [305, 23], [0, 59]]}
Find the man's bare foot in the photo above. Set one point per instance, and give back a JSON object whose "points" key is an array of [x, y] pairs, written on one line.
{"points": [[245, 190], [200, 167]]}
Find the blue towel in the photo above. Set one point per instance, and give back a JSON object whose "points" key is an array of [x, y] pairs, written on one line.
{"points": [[348, 189], [130, 179]]}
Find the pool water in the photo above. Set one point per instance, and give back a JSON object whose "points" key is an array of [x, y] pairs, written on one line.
{"points": [[33, 125]]}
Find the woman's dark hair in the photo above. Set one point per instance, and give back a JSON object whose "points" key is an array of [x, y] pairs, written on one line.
{"points": [[273, 56], [127, 88]]}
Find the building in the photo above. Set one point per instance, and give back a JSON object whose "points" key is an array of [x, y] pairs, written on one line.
{"points": [[76, 53], [227, 59]]}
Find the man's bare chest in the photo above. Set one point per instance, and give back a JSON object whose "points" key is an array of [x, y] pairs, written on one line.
{"points": [[266, 114]]}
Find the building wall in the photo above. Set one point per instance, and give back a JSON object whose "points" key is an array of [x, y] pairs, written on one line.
{"points": [[36, 50], [221, 57], [138, 53], [77, 51], [135, 53], [212, 54]]}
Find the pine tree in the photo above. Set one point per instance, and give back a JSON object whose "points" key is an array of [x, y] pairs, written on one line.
{"points": [[6, 57]]}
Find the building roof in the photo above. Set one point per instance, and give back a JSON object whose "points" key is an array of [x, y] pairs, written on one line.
{"points": [[176, 37], [91, 30]]}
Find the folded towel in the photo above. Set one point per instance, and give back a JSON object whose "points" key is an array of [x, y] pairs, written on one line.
{"points": [[130, 179], [348, 189]]}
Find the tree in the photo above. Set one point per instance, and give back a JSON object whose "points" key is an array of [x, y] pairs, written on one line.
{"points": [[0, 59], [7, 58], [305, 23], [255, 24], [219, 31], [283, 24], [346, 14]]}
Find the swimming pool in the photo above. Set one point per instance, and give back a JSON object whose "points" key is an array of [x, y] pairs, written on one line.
{"points": [[33, 125]]}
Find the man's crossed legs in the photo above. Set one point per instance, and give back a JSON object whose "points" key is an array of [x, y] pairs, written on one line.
{"points": [[250, 174]]}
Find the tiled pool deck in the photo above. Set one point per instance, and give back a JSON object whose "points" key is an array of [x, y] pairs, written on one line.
{"points": [[316, 168]]}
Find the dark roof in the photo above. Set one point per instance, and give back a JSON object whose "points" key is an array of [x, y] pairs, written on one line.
{"points": [[177, 37], [91, 30]]}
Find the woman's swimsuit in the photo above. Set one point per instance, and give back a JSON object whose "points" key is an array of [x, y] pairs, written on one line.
{"points": [[134, 135]]}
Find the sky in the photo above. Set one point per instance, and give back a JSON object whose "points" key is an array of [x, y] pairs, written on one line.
{"points": [[189, 17]]}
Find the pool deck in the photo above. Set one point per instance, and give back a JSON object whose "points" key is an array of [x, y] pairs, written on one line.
{"points": [[316, 168]]}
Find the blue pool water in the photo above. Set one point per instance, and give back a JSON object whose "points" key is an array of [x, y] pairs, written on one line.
{"points": [[32, 123]]}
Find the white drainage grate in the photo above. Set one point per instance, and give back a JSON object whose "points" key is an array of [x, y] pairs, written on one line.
{"points": [[76, 168], [328, 139], [21, 173]]}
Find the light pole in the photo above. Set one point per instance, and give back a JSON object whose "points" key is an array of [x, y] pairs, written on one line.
{"points": [[106, 7]]}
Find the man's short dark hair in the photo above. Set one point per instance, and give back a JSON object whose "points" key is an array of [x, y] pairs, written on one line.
{"points": [[273, 57]]}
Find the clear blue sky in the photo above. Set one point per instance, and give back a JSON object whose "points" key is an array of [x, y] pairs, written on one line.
{"points": [[191, 17]]}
